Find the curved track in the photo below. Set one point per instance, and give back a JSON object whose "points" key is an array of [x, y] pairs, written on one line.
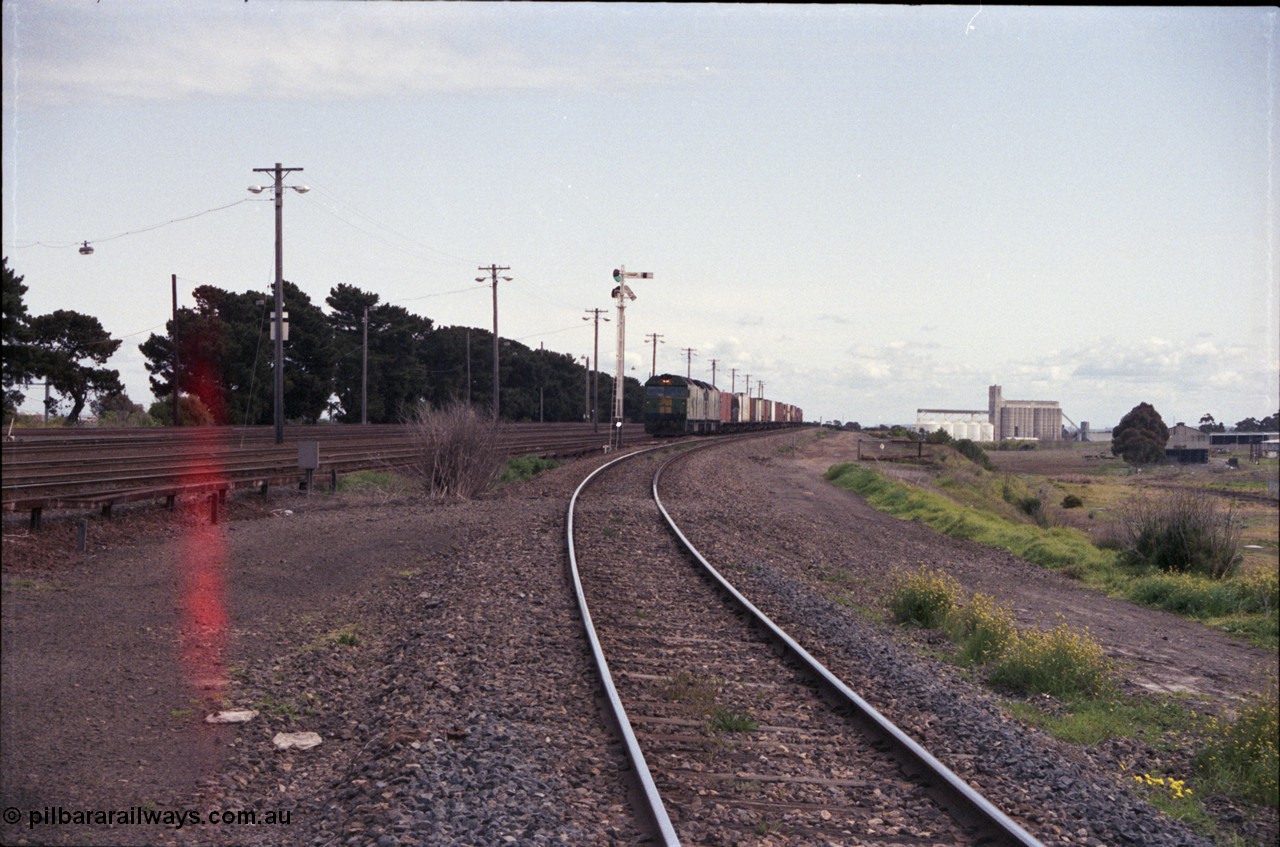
{"points": [[734, 730]]}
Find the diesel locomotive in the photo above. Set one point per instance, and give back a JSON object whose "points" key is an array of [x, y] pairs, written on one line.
{"points": [[678, 405]]}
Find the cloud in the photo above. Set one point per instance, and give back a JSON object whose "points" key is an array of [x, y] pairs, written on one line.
{"points": [[171, 52]]}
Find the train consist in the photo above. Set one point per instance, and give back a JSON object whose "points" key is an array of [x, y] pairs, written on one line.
{"points": [[677, 405]]}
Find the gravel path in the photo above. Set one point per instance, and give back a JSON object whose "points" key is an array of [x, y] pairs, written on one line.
{"points": [[407, 634]]}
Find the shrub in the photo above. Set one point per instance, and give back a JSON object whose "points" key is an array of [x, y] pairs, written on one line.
{"points": [[1186, 532], [1071, 501], [1060, 662], [1240, 757], [982, 629], [924, 598], [971, 451], [457, 449]]}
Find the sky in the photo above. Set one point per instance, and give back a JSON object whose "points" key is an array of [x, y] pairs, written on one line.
{"points": [[870, 209]]}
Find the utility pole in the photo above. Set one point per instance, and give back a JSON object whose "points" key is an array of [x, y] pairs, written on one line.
{"points": [[364, 372], [493, 270], [733, 385], [173, 339], [688, 360], [655, 339], [595, 376], [713, 372], [278, 172], [620, 293], [586, 387]]}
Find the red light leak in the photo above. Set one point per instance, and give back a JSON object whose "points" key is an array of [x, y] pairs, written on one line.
{"points": [[204, 610], [202, 555]]}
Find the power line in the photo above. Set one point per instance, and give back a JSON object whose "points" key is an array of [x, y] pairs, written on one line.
{"points": [[59, 246], [332, 211]]}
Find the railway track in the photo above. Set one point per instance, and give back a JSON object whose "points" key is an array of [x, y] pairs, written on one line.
{"points": [[89, 468], [734, 731]]}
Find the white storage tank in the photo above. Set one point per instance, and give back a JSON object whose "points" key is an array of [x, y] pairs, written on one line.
{"points": [[959, 430], [988, 430]]}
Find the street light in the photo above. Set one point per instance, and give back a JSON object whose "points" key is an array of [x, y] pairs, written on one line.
{"points": [[278, 171]]}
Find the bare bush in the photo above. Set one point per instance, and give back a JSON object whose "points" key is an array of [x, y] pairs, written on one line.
{"points": [[458, 450], [1185, 532]]}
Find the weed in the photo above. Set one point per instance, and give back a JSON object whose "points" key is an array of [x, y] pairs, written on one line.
{"points": [[272, 707], [696, 691], [924, 598], [345, 636], [1175, 799], [981, 628], [728, 719], [1059, 662], [1241, 757]]}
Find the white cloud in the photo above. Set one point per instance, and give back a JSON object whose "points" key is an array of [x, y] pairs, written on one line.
{"points": [[346, 51]]}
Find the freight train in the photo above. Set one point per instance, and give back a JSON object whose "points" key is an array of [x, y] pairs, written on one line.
{"points": [[677, 405]]}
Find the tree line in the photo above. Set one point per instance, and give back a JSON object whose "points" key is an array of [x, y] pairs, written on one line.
{"points": [[222, 371]]}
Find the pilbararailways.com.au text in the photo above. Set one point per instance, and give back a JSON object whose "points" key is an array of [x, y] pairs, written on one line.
{"points": [[143, 816]]}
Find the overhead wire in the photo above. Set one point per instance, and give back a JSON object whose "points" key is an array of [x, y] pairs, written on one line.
{"points": [[61, 246], [332, 210]]}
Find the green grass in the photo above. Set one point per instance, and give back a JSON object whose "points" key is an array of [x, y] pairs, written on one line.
{"points": [[523, 468], [979, 507], [385, 483], [1088, 720], [1057, 547]]}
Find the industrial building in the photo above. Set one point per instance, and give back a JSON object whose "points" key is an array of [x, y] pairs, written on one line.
{"points": [[1001, 420]]}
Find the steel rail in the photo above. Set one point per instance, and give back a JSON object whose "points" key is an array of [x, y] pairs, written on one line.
{"points": [[978, 805], [88, 465], [89, 469], [656, 809]]}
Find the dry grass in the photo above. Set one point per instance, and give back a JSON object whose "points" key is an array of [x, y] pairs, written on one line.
{"points": [[458, 455]]}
